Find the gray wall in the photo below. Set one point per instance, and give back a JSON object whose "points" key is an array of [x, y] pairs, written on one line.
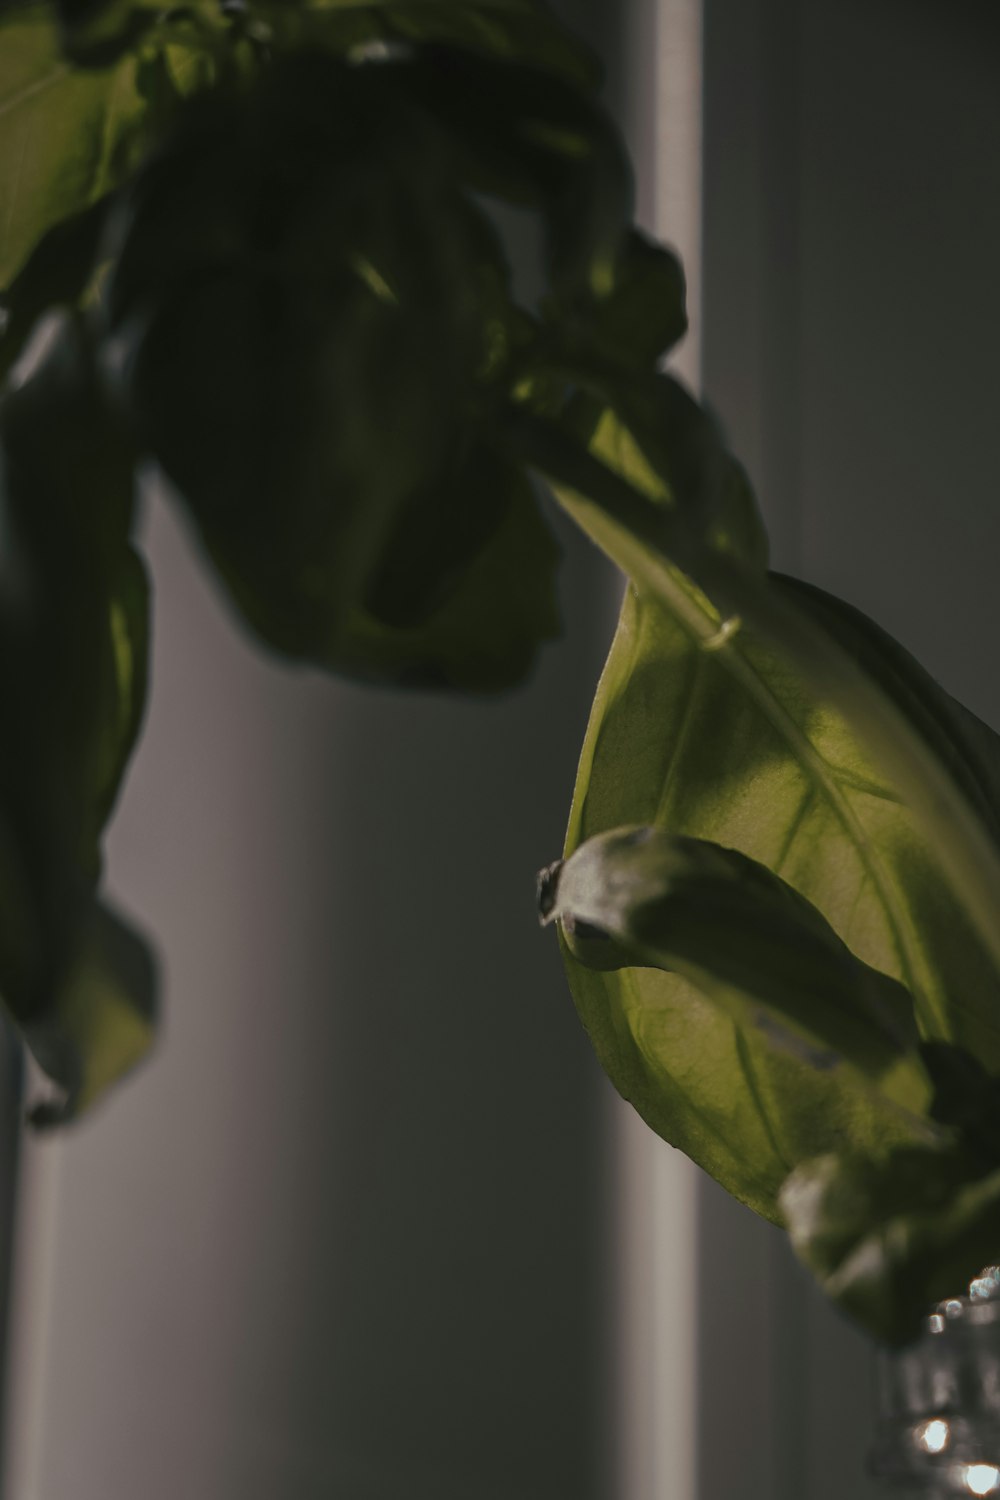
{"points": [[851, 310]]}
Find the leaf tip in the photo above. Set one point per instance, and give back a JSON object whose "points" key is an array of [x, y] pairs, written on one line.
{"points": [[547, 892]]}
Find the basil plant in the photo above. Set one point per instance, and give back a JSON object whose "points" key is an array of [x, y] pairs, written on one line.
{"points": [[234, 236]]}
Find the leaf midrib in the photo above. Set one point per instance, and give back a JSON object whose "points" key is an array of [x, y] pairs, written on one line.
{"points": [[700, 621]]}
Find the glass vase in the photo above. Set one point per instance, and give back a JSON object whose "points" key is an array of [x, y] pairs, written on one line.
{"points": [[938, 1424]]}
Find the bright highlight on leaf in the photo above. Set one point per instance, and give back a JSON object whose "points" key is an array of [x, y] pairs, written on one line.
{"points": [[101, 1025]]}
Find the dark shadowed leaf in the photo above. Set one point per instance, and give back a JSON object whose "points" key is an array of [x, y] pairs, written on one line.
{"points": [[488, 618], [887, 1239], [521, 31], [731, 744], [69, 135], [101, 1024], [72, 658], [307, 322]]}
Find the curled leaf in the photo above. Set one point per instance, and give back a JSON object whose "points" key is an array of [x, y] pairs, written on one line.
{"points": [[747, 941]]}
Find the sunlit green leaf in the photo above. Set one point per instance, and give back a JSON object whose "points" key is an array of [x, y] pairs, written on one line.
{"points": [[730, 744], [68, 135], [643, 897], [523, 31], [888, 1239]]}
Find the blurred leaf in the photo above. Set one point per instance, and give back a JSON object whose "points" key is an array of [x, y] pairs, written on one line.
{"points": [[519, 31], [642, 313], [98, 33], [124, 668], [67, 135], [655, 435], [72, 658], [102, 1022], [57, 273], [535, 140], [307, 322], [483, 631], [887, 1239], [643, 897], [966, 1097], [730, 744]]}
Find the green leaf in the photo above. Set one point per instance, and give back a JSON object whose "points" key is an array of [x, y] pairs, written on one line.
{"points": [[483, 631], [522, 135], [886, 1240], [644, 897], [665, 486], [722, 739], [69, 135], [101, 1024], [97, 33], [642, 314], [73, 628], [308, 323], [56, 274]]}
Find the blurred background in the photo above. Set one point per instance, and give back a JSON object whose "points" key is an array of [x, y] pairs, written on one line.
{"points": [[372, 1225]]}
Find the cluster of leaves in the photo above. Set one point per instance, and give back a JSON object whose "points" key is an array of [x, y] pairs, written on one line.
{"points": [[253, 245], [255, 248]]}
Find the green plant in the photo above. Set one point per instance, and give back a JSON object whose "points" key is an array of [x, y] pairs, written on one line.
{"points": [[240, 238]]}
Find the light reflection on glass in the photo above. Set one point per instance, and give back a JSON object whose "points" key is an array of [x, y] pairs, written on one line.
{"points": [[981, 1479], [933, 1436]]}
